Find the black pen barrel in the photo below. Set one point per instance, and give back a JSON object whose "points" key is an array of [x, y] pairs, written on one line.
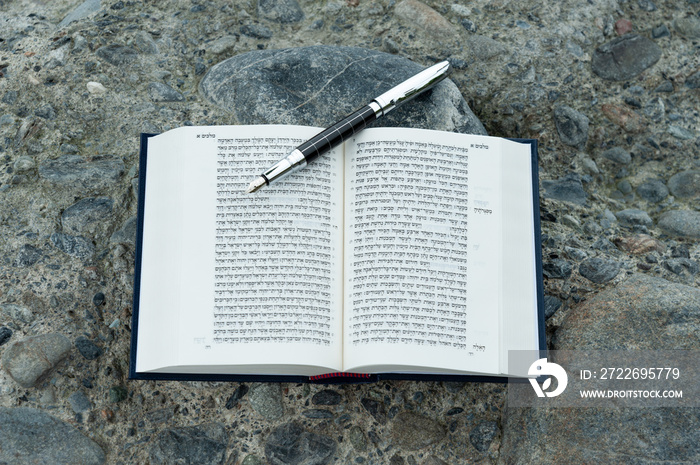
{"points": [[337, 134]]}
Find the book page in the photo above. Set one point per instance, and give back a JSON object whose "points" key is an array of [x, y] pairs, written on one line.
{"points": [[422, 255], [249, 279], [519, 325]]}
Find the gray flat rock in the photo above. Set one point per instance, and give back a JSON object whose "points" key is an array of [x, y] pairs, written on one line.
{"points": [[280, 11], [412, 431], [568, 188], [82, 11], [126, 234], [73, 170], [648, 436], [681, 223], [266, 399], [685, 184], [625, 57], [29, 359], [75, 246], [318, 85], [291, 444], [204, 444], [31, 436], [86, 215], [599, 270]]}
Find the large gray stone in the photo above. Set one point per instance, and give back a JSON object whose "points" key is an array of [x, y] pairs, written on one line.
{"points": [[30, 436], [318, 85], [127, 233], [75, 246], [29, 359], [642, 312], [645, 313], [117, 55], [484, 48], [280, 11], [599, 270], [16, 312], [632, 435], [28, 255], [688, 26], [634, 217], [652, 190]]}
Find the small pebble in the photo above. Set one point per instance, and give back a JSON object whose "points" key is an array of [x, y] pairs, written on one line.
{"points": [[326, 397], [618, 155], [599, 270], [98, 299], [634, 217], [5, 334], [96, 88], [623, 26], [624, 117], [117, 394], [87, 348], [572, 126]]}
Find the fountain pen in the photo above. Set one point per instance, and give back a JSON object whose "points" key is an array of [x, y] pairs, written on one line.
{"points": [[351, 125]]}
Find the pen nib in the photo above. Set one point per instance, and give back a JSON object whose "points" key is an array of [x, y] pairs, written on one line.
{"points": [[255, 185]]}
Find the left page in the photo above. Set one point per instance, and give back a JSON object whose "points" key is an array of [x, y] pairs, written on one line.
{"points": [[234, 282]]}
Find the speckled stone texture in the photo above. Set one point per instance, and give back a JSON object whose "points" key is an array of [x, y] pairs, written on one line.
{"points": [[608, 88]]}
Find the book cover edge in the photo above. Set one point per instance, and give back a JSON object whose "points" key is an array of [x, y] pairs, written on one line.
{"points": [[332, 379], [534, 159], [143, 150]]}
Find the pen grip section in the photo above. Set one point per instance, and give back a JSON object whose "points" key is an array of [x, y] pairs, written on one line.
{"points": [[337, 134]]}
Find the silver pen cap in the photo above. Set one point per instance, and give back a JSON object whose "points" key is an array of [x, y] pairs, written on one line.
{"points": [[410, 88]]}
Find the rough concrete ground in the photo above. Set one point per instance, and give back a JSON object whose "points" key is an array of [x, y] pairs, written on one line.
{"points": [[609, 88]]}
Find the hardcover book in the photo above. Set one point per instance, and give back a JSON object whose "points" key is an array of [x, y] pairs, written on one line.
{"points": [[403, 253]]}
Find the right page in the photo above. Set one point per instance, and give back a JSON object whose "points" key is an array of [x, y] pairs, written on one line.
{"points": [[424, 252]]}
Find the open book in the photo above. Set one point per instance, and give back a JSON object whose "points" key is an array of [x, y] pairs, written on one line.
{"points": [[403, 251]]}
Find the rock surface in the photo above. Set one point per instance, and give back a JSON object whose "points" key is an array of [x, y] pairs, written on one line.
{"points": [[291, 444], [30, 436], [669, 314], [616, 122], [204, 444]]}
